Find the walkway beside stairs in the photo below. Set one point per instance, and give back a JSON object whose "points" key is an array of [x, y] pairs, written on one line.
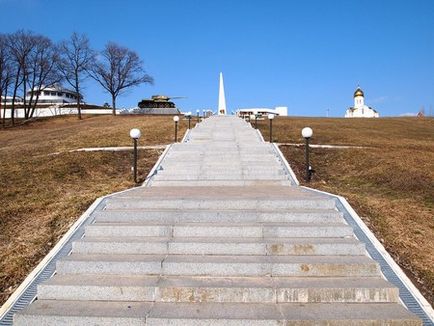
{"points": [[219, 238]]}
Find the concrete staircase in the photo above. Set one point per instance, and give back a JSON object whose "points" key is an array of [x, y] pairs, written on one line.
{"points": [[220, 238]]}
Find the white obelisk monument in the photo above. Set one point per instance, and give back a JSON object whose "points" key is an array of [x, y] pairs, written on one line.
{"points": [[222, 99]]}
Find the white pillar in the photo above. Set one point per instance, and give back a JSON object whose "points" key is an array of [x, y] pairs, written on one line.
{"points": [[222, 99]]}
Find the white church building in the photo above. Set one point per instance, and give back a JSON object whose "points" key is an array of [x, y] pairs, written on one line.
{"points": [[360, 110]]}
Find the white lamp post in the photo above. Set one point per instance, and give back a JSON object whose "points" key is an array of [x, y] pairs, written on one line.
{"points": [[176, 119], [271, 117], [307, 134], [135, 135], [188, 115]]}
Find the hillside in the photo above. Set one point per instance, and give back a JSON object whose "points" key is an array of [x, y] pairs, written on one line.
{"points": [[43, 194], [390, 181]]}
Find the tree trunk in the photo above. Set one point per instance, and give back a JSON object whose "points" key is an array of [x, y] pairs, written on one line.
{"points": [[77, 89], [28, 116], [14, 97], [79, 108], [114, 104], [1, 93], [31, 109], [32, 112], [26, 112], [4, 114], [4, 105]]}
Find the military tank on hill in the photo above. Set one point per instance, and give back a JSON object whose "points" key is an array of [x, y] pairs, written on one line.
{"points": [[158, 102]]}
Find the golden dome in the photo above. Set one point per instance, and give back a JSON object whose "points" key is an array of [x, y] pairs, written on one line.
{"points": [[359, 92]]}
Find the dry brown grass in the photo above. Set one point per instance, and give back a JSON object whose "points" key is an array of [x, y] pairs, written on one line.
{"points": [[390, 183], [43, 195]]}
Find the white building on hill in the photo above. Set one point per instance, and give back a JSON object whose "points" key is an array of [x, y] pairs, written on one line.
{"points": [[55, 94], [279, 110], [52, 101], [360, 110]]}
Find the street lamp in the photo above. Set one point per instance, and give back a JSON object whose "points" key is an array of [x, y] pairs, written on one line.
{"points": [[176, 119], [256, 121], [135, 135], [197, 115], [271, 117], [189, 119], [307, 134]]}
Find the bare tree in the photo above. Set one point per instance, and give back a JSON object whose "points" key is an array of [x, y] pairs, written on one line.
{"points": [[43, 71], [20, 44], [118, 69], [74, 64], [5, 74], [6, 81]]}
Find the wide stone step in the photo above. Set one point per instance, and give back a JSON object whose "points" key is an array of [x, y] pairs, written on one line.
{"points": [[228, 159], [228, 162], [213, 148], [223, 289], [194, 144], [220, 157], [229, 170], [233, 216], [223, 146], [192, 155], [231, 194], [289, 230], [241, 141], [198, 265], [206, 170], [221, 165], [218, 168], [229, 152], [210, 177], [218, 145], [219, 183], [54, 312], [219, 246], [217, 163], [132, 202]]}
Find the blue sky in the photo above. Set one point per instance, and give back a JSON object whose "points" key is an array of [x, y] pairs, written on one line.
{"points": [[307, 55]]}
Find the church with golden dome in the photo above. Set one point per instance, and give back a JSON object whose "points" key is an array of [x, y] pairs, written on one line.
{"points": [[360, 110]]}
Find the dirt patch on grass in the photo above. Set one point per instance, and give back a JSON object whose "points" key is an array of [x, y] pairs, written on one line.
{"points": [[390, 184], [43, 195]]}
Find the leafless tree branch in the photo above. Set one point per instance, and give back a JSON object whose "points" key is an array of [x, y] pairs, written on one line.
{"points": [[118, 69], [76, 57]]}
